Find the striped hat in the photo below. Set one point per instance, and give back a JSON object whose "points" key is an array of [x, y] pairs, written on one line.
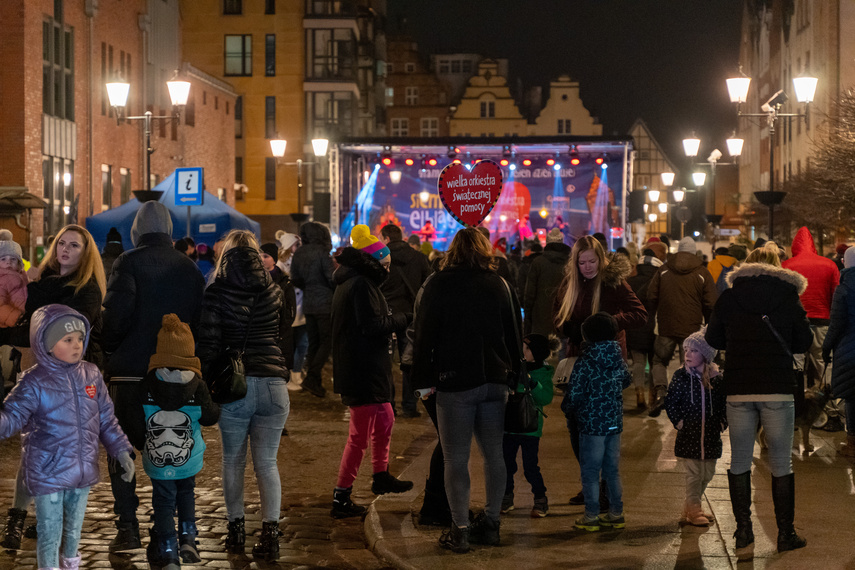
{"points": [[362, 240]]}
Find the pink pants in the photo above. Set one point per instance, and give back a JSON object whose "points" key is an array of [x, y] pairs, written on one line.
{"points": [[372, 421]]}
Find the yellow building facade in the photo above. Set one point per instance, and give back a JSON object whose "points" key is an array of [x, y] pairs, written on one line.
{"points": [[487, 108], [564, 113]]}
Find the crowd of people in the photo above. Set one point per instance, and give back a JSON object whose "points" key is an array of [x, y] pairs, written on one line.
{"points": [[120, 347]]}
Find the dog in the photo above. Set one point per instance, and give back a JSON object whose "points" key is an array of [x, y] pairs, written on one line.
{"points": [[815, 399]]}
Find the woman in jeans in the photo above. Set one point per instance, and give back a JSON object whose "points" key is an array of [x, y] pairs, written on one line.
{"points": [[466, 345], [753, 321], [243, 306]]}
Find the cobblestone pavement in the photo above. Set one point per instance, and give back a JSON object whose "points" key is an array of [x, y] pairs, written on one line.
{"points": [[308, 463]]}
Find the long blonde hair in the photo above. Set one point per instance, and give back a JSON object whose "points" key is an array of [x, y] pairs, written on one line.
{"points": [[90, 261], [572, 283], [767, 254], [235, 238]]}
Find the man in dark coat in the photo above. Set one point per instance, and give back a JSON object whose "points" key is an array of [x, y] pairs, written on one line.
{"points": [[639, 341], [112, 250], [408, 271], [544, 277], [148, 282]]}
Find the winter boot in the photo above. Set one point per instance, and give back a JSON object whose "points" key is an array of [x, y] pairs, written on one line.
{"points": [[167, 547], [343, 507], [695, 516], [740, 500], [127, 537], [70, 563], [30, 531], [14, 529], [385, 483], [658, 403], [784, 496], [455, 539], [484, 530], [152, 554], [267, 546], [236, 539], [848, 448], [639, 398], [187, 542]]}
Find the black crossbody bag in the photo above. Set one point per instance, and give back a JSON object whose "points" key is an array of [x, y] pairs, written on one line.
{"points": [[227, 376], [798, 373]]}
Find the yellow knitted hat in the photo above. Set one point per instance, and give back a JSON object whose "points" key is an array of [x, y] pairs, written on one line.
{"points": [[362, 239]]}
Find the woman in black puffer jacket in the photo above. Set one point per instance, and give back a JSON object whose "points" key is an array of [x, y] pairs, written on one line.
{"points": [[243, 304]]}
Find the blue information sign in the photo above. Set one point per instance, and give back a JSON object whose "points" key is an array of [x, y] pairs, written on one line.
{"points": [[189, 186]]}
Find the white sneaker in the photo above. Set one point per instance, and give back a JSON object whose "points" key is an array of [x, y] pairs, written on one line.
{"points": [[296, 381]]}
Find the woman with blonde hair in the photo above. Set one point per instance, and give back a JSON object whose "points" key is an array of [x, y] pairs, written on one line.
{"points": [[243, 309], [592, 283]]}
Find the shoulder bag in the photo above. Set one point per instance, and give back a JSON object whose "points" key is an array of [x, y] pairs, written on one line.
{"points": [[521, 414], [227, 375], [798, 372]]}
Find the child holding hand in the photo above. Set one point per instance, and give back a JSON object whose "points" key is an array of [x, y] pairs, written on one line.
{"points": [[63, 401], [696, 404]]}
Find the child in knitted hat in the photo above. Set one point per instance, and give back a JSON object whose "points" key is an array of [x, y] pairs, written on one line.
{"points": [[13, 281], [166, 430], [695, 404], [362, 240]]}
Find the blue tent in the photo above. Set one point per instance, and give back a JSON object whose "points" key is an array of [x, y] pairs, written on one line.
{"points": [[208, 222]]}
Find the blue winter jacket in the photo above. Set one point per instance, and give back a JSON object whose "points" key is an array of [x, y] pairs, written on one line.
{"points": [[596, 384], [67, 412], [841, 336]]}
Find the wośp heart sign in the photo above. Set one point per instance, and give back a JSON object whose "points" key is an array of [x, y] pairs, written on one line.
{"points": [[470, 195]]}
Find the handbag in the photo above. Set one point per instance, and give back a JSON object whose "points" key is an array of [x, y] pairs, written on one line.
{"points": [[798, 372], [227, 375], [521, 414]]}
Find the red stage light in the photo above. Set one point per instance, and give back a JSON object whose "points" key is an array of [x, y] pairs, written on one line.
{"points": [[387, 161], [409, 162], [599, 160], [457, 161], [432, 162], [526, 162], [504, 162], [550, 162], [575, 161]]}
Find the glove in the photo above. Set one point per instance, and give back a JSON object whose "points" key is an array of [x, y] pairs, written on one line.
{"points": [[128, 466]]}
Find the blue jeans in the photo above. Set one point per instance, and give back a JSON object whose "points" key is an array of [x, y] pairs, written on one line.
{"points": [[460, 415], [530, 445], [777, 419], [301, 346], [169, 495], [600, 453], [59, 520], [258, 420]]}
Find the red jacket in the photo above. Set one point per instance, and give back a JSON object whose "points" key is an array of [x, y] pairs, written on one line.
{"points": [[822, 275]]}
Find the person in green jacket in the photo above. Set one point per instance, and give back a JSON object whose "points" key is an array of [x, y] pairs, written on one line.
{"points": [[536, 349]]}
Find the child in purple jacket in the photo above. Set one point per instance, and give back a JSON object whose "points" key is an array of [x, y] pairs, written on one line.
{"points": [[63, 401]]}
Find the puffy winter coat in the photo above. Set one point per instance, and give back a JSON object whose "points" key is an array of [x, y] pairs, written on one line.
{"points": [[642, 338], [702, 411], [718, 264], [756, 363], [243, 288], [289, 306], [67, 413], [13, 296], [840, 339], [595, 394], [312, 269], [821, 273], [544, 278], [542, 391], [362, 325], [683, 294], [408, 271]]}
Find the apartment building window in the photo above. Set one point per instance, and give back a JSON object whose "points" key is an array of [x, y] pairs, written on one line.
{"points": [[410, 67], [444, 67], [269, 7], [238, 55], [58, 192], [400, 127], [390, 96], [466, 66], [189, 112], [430, 127], [456, 66], [57, 69], [331, 54], [125, 184], [106, 186], [390, 68], [239, 117], [563, 126], [270, 117], [412, 95], [269, 178], [328, 112], [488, 109], [232, 7], [239, 171], [270, 55]]}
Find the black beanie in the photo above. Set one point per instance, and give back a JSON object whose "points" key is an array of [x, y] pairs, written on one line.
{"points": [[114, 236], [270, 249], [599, 327], [538, 345]]}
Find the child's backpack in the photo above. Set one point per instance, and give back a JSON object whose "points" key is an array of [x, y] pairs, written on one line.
{"points": [[721, 282]]}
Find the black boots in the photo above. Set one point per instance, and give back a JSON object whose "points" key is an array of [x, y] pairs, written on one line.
{"points": [[267, 546], [236, 539], [187, 542], [484, 530], [14, 529], [127, 537], [784, 495], [343, 507], [162, 551], [455, 539], [385, 483], [740, 500]]}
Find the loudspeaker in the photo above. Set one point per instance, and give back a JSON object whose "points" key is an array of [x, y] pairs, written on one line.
{"points": [[636, 206], [321, 207]]}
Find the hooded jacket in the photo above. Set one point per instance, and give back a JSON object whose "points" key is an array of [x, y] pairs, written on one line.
{"points": [[408, 271], [683, 294], [544, 278], [719, 263], [312, 269], [542, 392], [67, 412], [13, 296], [594, 394], [702, 411], [821, 273], [362, 325], [243, 289], [756, 361], [840, 338]]}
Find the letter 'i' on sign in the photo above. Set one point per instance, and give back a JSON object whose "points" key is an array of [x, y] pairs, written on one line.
{"points": [[470, 195], [189, 186]]}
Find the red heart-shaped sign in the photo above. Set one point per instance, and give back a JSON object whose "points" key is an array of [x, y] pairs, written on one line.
{"points": [[470, 195], [90, 391]]}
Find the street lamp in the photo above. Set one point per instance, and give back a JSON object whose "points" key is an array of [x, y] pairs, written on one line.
{"points": [[277, 148], [805, 89], [692, 147], [179, 91], [667, 178], [679, 195]]}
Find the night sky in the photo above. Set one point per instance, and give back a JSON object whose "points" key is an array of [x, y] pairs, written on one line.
{"points": [[664, 61]]}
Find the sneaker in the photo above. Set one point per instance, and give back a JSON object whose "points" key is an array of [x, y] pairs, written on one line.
{"points": [[455, 539], [613, 521], [507, 503], [577, 499], [591, 524], [484, 530], [385, 483], [541, 507]]}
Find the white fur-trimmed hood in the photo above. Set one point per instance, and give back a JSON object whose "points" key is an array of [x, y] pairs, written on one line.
{"points": [[759, 269]]}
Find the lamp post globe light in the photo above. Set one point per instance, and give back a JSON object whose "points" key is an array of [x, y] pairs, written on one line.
{"points": [[319, 148], [117, 92]]}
